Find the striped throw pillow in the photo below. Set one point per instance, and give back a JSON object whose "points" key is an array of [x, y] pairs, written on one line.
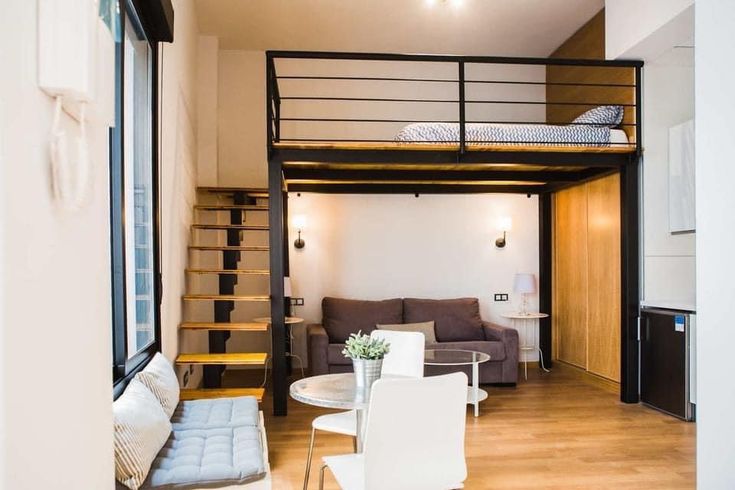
{"points": [[160, 378], [141, 430]]}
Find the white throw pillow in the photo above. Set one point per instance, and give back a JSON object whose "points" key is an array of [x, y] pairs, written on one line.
{"points": [[160, 378], [141, 430], [426, 328]]}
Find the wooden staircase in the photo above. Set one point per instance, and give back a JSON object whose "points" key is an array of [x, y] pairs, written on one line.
{"points": [[226, 210]]}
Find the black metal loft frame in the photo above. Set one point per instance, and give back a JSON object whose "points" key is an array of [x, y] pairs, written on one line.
{"points": [[294, 165]]}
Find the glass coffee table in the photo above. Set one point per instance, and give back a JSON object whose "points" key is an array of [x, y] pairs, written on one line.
{"points": [[456, 357]]}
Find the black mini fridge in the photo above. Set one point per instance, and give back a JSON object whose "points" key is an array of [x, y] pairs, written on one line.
{"points": [[667, 361]]}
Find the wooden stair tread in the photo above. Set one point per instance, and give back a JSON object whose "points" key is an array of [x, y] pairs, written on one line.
{"points": [[244, 248], [245, 327], [230, 207], [224, 297], [198, 226], [225, 359], [260, 272], [207, 393]]}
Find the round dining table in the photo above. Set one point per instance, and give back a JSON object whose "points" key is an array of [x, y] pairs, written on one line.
{"points": [[334, 391]]}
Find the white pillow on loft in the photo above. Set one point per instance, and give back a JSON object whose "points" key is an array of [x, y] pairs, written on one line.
{"points": [[602, 116], [159, 377], [141, 430]]}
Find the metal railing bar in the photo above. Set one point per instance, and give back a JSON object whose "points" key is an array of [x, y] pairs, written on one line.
{"points": [[472, 142], [520, 102], [445, 80], [367, 99], [562, 84], [369, 79], [447, 101], [329, 55], [442, 121]]}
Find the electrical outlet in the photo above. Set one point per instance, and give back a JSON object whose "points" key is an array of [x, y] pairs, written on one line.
{"points": [[297, 301], [500, 297]]}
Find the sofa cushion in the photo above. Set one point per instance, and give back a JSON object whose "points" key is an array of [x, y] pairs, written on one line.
{"points": [[342, 317], [140, 430], [205, 458], [455, 320], [216, 413], [426, 328], [335, 356], [495, 349], [160, 378]]}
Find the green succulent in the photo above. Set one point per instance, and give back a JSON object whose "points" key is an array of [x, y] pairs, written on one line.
{"points": [[360, 346]]}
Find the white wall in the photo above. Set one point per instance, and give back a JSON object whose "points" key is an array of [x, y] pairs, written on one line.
{"points": [[207, 73], [434, 246], [669, 260], [715, 153], [56, 341], [241, 119], [178, 160], [55, 337], [629, 22]]}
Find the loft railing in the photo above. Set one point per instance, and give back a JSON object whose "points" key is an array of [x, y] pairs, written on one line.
{"points": [[364, 94]]}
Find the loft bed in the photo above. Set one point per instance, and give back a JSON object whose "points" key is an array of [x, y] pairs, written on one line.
{"points": [[397, 123]]}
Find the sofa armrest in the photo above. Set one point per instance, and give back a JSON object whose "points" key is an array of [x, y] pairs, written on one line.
{"points": [[317, 345], [499, 333]]}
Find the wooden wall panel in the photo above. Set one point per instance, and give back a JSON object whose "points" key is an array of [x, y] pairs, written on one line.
{"points": [[603, 243], [588, 43], [570, 276]]}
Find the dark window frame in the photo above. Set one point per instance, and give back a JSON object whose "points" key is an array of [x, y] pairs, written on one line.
{"points": [[123, 369]]}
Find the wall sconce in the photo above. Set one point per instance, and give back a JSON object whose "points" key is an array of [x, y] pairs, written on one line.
{"points": [[299, 222], [504, 224]]}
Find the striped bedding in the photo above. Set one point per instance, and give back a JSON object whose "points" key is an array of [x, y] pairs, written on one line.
{"points": [[507, 134]]}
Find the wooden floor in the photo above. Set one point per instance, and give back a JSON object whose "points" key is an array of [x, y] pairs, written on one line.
{"points": [[553, 431]]}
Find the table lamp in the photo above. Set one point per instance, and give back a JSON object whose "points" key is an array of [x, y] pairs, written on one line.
{"points": [[524, 284]]}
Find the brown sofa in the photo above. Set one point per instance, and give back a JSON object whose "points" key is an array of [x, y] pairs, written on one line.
{"points": [[457, 325]]}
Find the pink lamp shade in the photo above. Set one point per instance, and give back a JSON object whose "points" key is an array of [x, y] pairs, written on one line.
{"points": [[524, 283]]}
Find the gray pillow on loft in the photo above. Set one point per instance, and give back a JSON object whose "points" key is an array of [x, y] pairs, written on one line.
{"points": [[603, 116]]}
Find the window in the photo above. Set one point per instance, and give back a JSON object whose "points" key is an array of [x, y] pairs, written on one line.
{"points": [[134, 199]]}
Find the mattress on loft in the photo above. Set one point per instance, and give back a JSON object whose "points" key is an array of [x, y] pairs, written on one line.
{"points": [[514, 134]]}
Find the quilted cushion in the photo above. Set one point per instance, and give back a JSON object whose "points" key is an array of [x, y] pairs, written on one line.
{"points": [[426, 328], [160, 378], [140, 431], [455, 320], [216, 413], [342, 317], [204, 458], [604, 115]]}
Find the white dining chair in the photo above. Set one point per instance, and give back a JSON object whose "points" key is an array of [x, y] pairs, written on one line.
{"points": [[405, 358], [414, 437]]}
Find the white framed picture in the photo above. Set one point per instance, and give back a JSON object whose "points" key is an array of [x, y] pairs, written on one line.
{"points": [[681, 178]]}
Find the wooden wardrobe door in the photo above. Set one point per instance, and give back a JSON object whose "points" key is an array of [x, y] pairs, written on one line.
{"points": [[570, 276], [603, 243]]}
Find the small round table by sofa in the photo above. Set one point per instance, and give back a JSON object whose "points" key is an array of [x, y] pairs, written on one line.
{"points": [[290, 320], [529, 323], [456, 357]]}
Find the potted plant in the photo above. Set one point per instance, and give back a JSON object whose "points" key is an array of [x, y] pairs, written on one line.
{"points": [[367, 357]]}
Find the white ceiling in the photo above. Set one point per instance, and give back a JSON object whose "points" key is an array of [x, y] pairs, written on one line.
{"points": [[470, 27]]}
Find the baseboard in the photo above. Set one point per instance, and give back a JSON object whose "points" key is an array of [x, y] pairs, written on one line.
{"points": [[588, 377]]}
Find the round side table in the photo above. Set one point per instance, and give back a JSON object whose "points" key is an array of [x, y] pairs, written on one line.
{"points": [[529, 323], [290, 321]]}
